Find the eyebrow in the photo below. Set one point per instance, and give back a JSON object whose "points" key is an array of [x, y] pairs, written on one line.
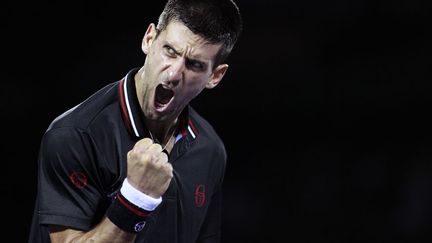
{"points": [[187, 58]]}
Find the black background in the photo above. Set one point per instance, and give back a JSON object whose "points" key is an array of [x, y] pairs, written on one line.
{"points": [[325, 111]]}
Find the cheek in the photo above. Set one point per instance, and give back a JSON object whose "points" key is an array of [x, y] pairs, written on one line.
{"points": [[157, 59], [163, 59], [196, 83], [160, 56], [194, 87]]}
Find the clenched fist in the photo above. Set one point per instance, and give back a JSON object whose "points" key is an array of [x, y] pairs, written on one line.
{"points": [[148, 169]]}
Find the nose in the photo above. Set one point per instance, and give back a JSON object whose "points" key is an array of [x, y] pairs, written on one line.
{"points": [[175, 73]]}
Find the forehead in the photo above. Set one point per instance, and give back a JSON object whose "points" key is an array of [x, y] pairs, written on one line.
{"points": [[184, 40]]}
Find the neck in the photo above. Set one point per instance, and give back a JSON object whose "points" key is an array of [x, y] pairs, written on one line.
{"points": [[161, 132]]}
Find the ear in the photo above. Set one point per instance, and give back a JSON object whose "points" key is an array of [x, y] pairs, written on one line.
{"points": [[149, 37], [217, 76]]}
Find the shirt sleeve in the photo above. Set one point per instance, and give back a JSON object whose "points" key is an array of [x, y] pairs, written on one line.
{"points": [[69, 190], [211, 229]]}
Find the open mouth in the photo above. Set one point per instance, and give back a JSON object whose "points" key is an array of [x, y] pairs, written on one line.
{"points": [[163, 97]]}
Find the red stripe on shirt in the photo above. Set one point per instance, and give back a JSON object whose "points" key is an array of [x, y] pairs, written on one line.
{"points": [[194, 129], [123, 106]]}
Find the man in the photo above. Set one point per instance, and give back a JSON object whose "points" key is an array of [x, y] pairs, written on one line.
{"points": [[134, 162]]}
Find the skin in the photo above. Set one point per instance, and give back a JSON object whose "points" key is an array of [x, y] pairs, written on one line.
{"points": [[181, 61], [178, 60]]}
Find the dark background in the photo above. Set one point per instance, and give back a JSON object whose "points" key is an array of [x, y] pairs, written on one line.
{"points": [[325, 111]]}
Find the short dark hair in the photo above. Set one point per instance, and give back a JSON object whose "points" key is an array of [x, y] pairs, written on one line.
{"points": [[217, 21]]}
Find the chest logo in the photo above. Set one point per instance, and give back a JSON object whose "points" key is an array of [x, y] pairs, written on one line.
{"points": [[200, 195], [79, 179]]}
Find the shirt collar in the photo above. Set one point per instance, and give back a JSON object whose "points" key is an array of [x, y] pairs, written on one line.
{"points": [[133, 116]]}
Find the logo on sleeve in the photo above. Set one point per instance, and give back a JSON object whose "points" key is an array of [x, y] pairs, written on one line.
{"points": [[200, 195], [79, 179]]}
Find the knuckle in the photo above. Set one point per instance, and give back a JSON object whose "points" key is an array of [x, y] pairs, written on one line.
{"points": [[145, 158], [156, 147], [144, 143], [168, 168], [170, 174], [163, 157], [156, 167], [132, 154]]}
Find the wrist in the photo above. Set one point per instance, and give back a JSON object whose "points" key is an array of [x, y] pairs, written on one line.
{"points": [[139, 198], [131, 208], [126, 215]]}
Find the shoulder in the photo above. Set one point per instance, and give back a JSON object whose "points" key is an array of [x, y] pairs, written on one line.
{"points": [[85, 113]]}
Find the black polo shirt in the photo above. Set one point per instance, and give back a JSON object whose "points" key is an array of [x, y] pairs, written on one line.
{"points": [[82, 164]]}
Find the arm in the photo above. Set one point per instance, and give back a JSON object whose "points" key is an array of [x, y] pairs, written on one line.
{"points": [[105, 231], [150, 174], [211, 229]]}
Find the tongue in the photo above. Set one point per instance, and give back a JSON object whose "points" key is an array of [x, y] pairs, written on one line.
{"points": [[163, 96]]}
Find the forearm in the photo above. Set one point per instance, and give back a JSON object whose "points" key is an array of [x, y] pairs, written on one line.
{"points": [[105, 231]]}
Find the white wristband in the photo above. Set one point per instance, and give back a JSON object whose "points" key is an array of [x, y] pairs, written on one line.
{"points": [[139, 198]]}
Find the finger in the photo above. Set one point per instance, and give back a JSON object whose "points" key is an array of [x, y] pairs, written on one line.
{"points": [[167, 167], [154, 149], [143, 144], [163, 158]]}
